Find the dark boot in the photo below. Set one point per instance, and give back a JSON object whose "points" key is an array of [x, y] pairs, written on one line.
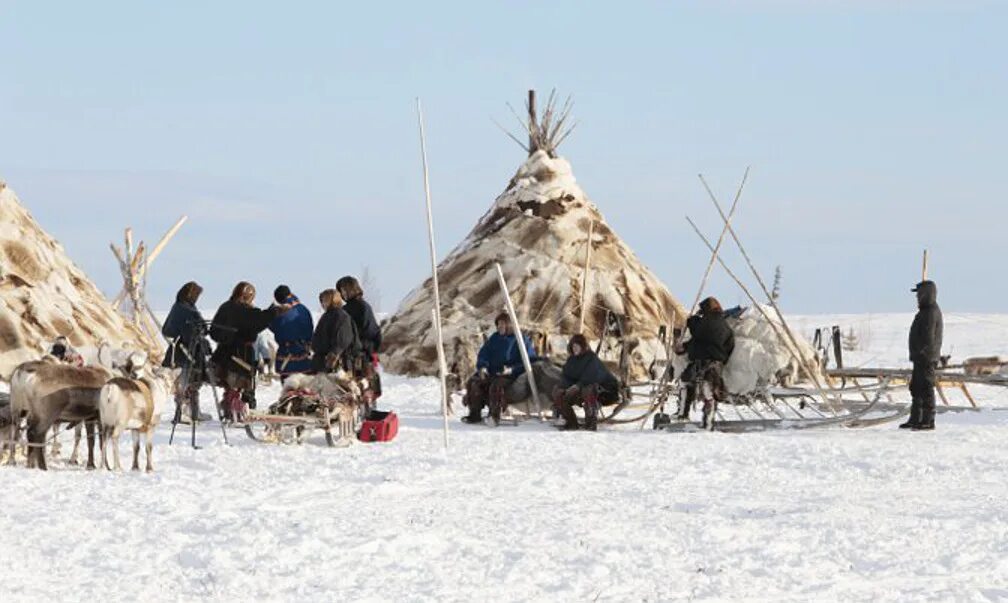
{"points": [[683, 414], [927, 417], [567, 412], [475, 400], [476, 417], [914, 419], [591, 406]]}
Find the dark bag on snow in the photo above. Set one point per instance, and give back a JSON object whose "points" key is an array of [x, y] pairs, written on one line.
{"points": [[379, 426]]}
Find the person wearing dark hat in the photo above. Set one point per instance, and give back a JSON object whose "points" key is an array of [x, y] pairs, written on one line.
{"points": [[498, 364], [293, 333], [585, 382], [711, 344], [925, 353], [184, 332]]}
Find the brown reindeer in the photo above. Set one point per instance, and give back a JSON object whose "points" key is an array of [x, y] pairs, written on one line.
{"points": [[43, 392]]}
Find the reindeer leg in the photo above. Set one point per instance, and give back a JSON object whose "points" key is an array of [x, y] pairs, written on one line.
{"points": [[106, 432], [75, 455], [15, 434], [136, 449], [149, 441], [90, 445], [36, 453], [56, 448], [115, 446]]}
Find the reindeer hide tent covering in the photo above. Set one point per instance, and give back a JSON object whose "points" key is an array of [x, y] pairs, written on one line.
{"points": [[537, 229], [44, 295]]}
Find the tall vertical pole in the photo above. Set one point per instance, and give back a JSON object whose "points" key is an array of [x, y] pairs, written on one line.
{"points": [[584, 280], [520, 340], [924, 266], [532, 121], [436, 313]]}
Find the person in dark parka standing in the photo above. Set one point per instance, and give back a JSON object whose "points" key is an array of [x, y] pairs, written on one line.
{"points": [[182, 328], [293, 332], [235, 327], [363, 316], [368, 331], [585, 381], [335, 344], [711, 344], [925, 353]]}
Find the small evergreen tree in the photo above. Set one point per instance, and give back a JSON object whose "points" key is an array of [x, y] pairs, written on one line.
{"points": [[775, 294]]}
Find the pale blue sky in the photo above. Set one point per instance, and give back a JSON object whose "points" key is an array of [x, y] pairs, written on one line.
{"points": [[286, 130]]}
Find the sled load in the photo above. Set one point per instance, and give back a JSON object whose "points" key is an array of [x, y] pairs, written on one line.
{"points": [[43, 295], [562, 262], [333, 402]]}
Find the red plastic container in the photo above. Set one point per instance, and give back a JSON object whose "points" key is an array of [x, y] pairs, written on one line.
{"points": [[379, 426]]}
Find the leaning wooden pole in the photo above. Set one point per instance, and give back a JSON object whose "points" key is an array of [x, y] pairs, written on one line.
{"points": [[703, 285], [520, 340], [584, 279], [434, 275], [793, 341], [794, 352], [720, 241]]}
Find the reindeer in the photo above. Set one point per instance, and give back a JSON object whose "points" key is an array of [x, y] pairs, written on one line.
{"points": [[132, 403], [43, 392]]}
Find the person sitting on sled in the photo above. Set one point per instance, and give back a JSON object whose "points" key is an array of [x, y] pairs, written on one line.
{"points": [[586, 382], [335, 344], [710, 346], [498, 365], [235, 327], [293, 332]]}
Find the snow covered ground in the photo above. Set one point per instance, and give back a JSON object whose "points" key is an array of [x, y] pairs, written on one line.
{"points": [[529, 513]]}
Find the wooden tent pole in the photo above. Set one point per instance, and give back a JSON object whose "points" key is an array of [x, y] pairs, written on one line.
{"points": [[703, 285], [795, 353], [436, 311], [717, 248], [759, 279], [584, 280], [532, 121], [520, 340], [156, 251]]}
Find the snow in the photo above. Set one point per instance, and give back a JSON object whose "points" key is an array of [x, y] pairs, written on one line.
{"points": [[529, 513]]}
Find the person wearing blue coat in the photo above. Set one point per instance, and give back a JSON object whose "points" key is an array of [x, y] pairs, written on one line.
{"points": [[498, 364], [293, 333]]}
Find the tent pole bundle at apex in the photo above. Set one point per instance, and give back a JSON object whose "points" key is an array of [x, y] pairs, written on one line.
{"points": [[134, 264]]}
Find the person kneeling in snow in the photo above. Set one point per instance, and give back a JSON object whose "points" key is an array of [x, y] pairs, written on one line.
{"points": [[293, 332], [710, 346], [586, 382], [498, 365]]}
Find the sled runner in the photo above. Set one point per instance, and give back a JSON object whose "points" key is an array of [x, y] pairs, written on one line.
{"points": [[292, 419]]}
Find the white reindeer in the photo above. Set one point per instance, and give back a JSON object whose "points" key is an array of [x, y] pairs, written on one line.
{"points": [[133, 403]]}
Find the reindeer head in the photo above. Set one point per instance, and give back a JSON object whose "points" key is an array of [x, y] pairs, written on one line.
{"points": [[135, 365]]}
